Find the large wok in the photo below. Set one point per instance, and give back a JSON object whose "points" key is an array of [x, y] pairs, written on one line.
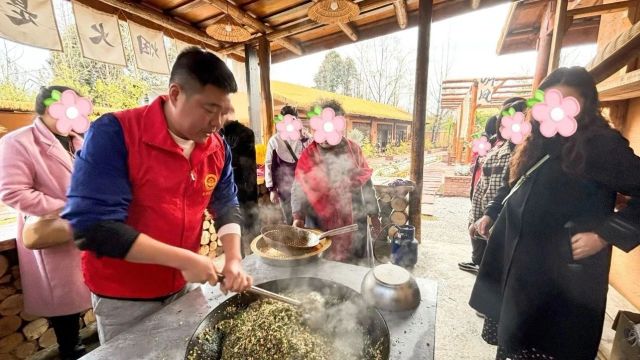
{"points": [[369, 318]]}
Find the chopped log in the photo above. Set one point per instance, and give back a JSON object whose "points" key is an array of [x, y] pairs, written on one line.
{"points": [[6, 291], [213, 245], [15, 271], [399, 203], [399, 217], [214, 236], [17, 284], [385, 197], [26, 349], [28, 317], [11, 305], [7, 344], [48, 339], [6, 279], [205, 238], [4, 264], [35, 329], [212, 229], [89, 317], [9, 325], [206, 224], [392, 231], [204, 250]]}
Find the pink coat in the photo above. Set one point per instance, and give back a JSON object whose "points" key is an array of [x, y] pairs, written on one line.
{"points": [[35, 171]]}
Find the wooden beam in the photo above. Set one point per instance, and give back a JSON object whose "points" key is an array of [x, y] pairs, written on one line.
{"points": [[559, 28], [401, 13], [185, 8], [613, 56], [252, 68], [472, 118], [349, 31], [475, 4], [425, 11], [210, 21], [160, 20], [245, 18], [601, 9], [624, 87], [264, 58]]}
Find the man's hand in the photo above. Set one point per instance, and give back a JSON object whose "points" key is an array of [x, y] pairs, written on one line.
{"points": [[235, 279], [584, 245], [200, 269], [273, 196], [483, 225]]}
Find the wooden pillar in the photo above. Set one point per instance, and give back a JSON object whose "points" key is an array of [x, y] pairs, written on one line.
{"points": [[544, 47], [264, 58], [253, 90], [420, 114], [559, 28], [473, 105]]}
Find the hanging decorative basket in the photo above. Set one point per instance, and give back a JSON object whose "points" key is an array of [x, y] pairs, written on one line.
{"points": [[228, 30], [333, 11]]}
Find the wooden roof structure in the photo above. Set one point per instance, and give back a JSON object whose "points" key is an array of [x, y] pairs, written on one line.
{"points": [[284, 23], [522, 28], [455, 91]]}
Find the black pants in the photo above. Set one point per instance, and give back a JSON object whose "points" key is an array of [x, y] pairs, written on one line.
{"points": [[67, 329], [478, 246]]}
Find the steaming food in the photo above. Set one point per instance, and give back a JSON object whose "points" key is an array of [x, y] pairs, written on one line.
{"points": [[269, 329]]}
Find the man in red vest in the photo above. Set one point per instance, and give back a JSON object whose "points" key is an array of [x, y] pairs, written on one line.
{"points": [[139, 190]]}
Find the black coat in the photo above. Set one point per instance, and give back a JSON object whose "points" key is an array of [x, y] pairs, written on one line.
{"points": [[528, 280]]}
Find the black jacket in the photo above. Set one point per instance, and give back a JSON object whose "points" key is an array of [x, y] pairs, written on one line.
{"points": [[528, 280]]}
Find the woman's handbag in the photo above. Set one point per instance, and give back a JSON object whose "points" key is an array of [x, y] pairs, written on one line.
{"points": [[41, 232]]}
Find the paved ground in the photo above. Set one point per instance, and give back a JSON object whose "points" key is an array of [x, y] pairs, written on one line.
{"points": [[444, 244]]}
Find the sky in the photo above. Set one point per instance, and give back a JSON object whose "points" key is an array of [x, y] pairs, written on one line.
{"points": [[472, 45]]}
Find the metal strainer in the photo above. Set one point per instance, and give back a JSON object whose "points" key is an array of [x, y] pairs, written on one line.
{"points": [[280, 236]]}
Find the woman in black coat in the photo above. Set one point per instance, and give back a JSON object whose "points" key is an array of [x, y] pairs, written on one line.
{"points": [[543, 282]]}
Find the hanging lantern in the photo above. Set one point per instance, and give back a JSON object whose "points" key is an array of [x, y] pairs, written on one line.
{"points": [[333, 11], [228, 30]]}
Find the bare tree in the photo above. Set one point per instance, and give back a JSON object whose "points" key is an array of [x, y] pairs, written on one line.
{"points": [[438, 73], [382, 68]]}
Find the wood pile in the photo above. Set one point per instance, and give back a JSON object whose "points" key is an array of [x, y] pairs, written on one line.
{"points": [[393, 202], [22, 334], [210, 245]]}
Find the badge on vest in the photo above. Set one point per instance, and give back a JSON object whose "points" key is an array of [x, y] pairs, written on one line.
{"points": [[210, 182]]}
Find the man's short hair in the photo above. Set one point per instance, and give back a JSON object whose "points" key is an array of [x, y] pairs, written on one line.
{"points": [[195, 68]]}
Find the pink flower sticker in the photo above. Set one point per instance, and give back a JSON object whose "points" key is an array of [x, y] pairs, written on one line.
{"points": [[515, 128], [289, 128], [481, 146], [71, 111], [328, 127], [557, 114]]}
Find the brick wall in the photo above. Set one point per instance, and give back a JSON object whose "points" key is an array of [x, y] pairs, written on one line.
{"points": [[458, 186]]}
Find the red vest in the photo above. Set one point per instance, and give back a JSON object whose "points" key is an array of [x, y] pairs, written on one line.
{"points": [[170, 194]]}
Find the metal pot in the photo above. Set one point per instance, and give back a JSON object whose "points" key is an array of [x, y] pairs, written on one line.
{"points": [[369, 318], [390, 287]]}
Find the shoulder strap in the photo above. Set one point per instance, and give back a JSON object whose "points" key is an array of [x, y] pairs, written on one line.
{"points": [[295, 158], [526, 175]]}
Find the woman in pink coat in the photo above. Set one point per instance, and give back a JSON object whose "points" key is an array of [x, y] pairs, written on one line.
{"points": [[35, 170]]}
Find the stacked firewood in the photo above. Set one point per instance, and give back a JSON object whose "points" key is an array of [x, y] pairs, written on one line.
{"points": [[209, 243], [393, 203], [22, 335]]}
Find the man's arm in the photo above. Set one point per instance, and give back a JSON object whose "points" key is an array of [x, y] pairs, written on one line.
{"points": [[225, 209]]}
